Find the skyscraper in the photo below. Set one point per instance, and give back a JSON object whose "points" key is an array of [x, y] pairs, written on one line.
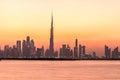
{"points": [[82, 51], [32, 48], [24, 48], [18, 45], [107, 52], [51, 47], [66, 51], [28, 47], [76, 49]]}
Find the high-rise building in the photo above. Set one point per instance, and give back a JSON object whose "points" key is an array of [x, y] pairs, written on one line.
{"points": [[66, 52], [107, 52], [43, 51], [115, 53], [76, 49], [15, 54], [18, 45], [32, 48], [82, 51], [24, 48], [94, 55], [28, 39], [27, 48], [51, 47], [40, 52], [6, 51]]}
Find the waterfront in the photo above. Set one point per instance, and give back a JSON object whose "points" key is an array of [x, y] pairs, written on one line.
{"points": [[59, 70]]}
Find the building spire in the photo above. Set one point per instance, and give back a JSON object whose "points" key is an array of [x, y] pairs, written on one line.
{"points": [[51, 47], [52, 19]]}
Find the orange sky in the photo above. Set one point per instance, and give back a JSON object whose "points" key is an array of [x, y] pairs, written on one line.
{"points": [[93, 22]]}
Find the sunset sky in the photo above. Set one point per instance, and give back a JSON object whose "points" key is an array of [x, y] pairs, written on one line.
{"points": [[94, 22]]}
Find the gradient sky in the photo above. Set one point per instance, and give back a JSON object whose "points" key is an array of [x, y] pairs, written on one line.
{"points": [[94, 22]]}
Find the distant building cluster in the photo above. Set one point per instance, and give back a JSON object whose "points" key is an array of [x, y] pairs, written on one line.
{"points": [[27, 49], [115, 54]]}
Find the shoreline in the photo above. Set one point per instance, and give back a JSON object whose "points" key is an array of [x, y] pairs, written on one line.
{"points": [[57, 59]]}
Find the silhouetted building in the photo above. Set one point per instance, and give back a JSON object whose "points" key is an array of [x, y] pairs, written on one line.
{"points": [[82, 51], [32, 49], [56, 54], [115, 54], [47, 53], [76, 49], [24, 49], [14, 52], [6, 51], [1, 53], [40, 52], [94, 55], [51, 47], [66, 52], [107, 52], [28, 48], [18, 45], [50, 52]]}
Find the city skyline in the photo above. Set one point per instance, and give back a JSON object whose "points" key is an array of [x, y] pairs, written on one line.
{"points": [[26, 49], [94, 23]]}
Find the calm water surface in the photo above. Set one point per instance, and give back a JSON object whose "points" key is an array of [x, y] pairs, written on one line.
{"points": [[59, 70]]}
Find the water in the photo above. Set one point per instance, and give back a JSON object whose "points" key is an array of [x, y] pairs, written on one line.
{"points": [[59, 70]]}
